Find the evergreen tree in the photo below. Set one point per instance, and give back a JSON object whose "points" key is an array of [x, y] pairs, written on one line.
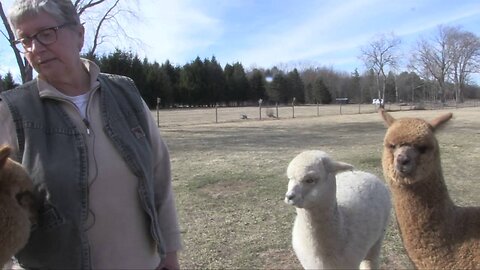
{"points": [[230, 84], [257, 85], [118, 62], [8, 82], [173, 74], [278, 91], [369, 86], [309, 95], [137, 72], [237, 83], [215, 81], [357, 88], [321, 92], [191, 82], [297, 88], [158, 84], [390, 89]]}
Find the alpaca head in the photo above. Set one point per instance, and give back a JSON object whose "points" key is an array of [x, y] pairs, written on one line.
{"points": [[410, 150], [15, 183], [311, 177]]}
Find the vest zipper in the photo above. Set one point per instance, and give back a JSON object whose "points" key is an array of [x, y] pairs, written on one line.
{"points": [[84, 120], [87, 125]]}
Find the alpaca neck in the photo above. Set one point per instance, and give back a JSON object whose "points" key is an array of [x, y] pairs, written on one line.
{"points": [[423, 211], [326, 224]]}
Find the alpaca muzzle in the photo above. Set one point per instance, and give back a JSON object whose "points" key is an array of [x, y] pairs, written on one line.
{"points": [[404, 160]]}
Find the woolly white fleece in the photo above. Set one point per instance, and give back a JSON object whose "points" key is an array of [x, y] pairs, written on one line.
{"points": [[341, 218]]}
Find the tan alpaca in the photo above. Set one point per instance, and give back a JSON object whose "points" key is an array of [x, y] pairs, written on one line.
{"points": [[16, 206], [436, 233]]}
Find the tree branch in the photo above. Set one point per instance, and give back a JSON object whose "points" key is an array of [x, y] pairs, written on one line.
{"points": [[82, 7], [23, 66]]}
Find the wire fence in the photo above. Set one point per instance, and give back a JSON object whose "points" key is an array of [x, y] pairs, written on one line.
{"points": [[209, 115]]}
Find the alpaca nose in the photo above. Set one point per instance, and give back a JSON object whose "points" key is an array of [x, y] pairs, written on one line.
{"points": [[290, 196], [403, 159]]}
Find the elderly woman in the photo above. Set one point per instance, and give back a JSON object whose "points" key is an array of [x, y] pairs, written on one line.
{"points": [[93, 151]]}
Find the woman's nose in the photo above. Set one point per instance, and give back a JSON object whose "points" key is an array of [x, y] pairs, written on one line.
{"points": [[36, 46]]}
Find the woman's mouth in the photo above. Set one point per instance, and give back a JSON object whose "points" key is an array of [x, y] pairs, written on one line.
{"points": [[44, 61]]}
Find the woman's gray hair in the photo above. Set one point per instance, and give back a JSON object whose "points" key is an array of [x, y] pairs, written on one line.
{"points": [[62, 10]]}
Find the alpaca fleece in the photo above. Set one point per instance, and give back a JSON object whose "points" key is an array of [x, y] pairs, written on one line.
{"points": [[342, 214], [16, 206], [436, 233]]}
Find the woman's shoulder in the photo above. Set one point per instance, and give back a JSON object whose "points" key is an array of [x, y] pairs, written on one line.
{"points": [[110, 76], [20, 91], [25, 86]]}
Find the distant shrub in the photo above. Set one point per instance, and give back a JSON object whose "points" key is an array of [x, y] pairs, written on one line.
{"points": [[270, 113]]}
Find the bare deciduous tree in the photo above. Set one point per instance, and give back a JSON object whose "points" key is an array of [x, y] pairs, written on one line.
{"points": [[23, 66], [381, 55], [465, 58], [105, 20], [432, 58]]}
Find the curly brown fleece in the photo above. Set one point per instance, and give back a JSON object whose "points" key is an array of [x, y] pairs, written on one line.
{"points": [[16, 206], [436, 233]]}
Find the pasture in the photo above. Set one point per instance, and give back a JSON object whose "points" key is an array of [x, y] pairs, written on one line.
{"points": [[229, 177]]}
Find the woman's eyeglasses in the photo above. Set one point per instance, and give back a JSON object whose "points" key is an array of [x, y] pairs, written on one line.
{"points": [[45, 37]]}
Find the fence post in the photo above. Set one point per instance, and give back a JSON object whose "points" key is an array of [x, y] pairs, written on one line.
{"points": [[293, 107], [216, 113], [260, 108], [158, 111], [276, 106]]}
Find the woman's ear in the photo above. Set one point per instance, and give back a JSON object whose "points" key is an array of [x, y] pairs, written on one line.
{"points": [[81, 36]]}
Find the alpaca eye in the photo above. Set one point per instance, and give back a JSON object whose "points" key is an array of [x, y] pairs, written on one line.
{"points": [[422, 149], [24, 198], [309, 180], [391, 146]]}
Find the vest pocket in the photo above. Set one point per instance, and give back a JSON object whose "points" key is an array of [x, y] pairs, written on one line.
{"points": [[49, 218]]}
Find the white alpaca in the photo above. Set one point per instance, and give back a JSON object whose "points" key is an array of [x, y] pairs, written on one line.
{"points": [[341, 217]]}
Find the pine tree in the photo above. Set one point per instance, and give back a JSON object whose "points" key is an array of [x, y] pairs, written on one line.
{"points": [[8, 82], [257, 85], [297, 87], [321, 92]]}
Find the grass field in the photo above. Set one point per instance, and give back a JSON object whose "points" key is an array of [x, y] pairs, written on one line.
{"points": [[229, 178]]}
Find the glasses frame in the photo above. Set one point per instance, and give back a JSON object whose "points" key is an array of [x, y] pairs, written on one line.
{"points": [[21, 42]]}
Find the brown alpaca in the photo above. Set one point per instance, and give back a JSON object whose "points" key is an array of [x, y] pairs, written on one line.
{"points": [[16, 206], [436, 233]]}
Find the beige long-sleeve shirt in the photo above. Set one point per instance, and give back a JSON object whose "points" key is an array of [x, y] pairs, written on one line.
{"points": [[118, 230]]}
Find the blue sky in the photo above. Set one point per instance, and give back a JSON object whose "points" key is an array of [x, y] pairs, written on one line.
{"points": [[284, 33]]}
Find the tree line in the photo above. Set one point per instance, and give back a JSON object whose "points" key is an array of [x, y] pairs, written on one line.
{"points": [[204, 82]]}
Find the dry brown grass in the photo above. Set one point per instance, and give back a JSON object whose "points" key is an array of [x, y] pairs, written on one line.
{"points": [[229, 178]]}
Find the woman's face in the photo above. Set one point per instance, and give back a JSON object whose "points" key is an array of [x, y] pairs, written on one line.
{"points": [[58, 59]]}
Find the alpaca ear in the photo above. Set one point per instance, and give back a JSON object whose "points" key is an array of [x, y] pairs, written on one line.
{"points": [[387, 118], [336, 166], [439, 121], [4, 154]]}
